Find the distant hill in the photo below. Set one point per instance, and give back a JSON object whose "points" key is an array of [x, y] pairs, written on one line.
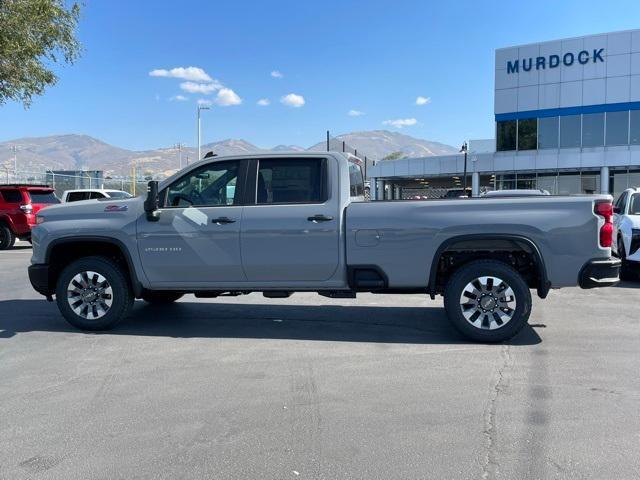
{"points": [[75, 152]]}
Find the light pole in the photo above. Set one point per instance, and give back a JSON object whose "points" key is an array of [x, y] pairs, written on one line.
{"points": [[15, 161], [464, 149], [200, 107], [179, 147]]}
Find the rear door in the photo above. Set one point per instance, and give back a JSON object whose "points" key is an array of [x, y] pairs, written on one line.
{"points": [[290, 231], [196, 240]]}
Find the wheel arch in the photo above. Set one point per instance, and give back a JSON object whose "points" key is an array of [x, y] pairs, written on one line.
{"points": [[484, 246], [62, 251]]}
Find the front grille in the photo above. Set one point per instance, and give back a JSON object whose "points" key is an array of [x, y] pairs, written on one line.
{"points": [[635, 241]]}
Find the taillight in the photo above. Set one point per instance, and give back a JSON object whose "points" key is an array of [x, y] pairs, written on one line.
{"points": [[28, 208], [605, 210]]}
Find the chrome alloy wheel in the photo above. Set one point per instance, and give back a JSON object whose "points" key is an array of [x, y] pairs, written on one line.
{"points": [[488, 303], [89, 295]]}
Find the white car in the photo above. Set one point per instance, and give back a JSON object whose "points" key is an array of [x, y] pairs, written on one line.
{"points": [[93, 193], [626, 224]]}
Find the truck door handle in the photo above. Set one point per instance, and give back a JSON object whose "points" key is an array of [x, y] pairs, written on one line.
{"points": [[222, 220], [320, 218]]}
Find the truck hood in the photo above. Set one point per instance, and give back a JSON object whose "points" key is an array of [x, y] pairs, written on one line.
{"points": [[635, 220], [94, 209]]}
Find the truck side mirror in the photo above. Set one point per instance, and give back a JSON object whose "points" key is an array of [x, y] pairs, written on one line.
{"points": [[151, 203], [616, 210]]}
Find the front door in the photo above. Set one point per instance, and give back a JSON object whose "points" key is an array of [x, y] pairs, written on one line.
{"points": [[196, 241], [291, 232]]}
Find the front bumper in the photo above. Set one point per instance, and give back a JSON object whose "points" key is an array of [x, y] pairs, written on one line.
{"points": [[39, 278], [600, 272]]}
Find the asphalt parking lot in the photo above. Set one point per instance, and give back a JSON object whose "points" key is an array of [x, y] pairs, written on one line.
{"points": [[308, 387]]}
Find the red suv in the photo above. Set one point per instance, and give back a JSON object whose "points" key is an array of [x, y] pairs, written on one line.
{"points": [[18, 207]]}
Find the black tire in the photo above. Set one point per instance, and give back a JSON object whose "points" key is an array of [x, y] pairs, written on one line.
{"points": [[487, 268], [7, 238], [626, 272], [121, 296], [161, 297]]}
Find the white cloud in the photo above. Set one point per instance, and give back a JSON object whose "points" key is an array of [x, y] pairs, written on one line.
{"points": [[195, 74], [293, 100], [203, 102], [178, 98], [204, 88], [401, 122], [264, 102], [422, 100], [355, 113], [276, 74], [227, 97]]}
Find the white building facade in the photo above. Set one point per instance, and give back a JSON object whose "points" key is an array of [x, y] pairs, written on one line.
{"points": [[567, 120]]}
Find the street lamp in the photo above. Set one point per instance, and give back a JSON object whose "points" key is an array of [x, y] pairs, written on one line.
{"points": [[200, 107], [464, 149]]}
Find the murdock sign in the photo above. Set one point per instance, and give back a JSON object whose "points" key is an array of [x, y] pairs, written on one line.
{"points": [[552, 61]]}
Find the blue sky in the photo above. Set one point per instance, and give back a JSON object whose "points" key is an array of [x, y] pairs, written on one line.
{"points": [[374, 57]]}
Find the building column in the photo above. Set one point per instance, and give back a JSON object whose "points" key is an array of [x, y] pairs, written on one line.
{"points": [[382, 188], [604, 179], [373, 184], [475, 184]]}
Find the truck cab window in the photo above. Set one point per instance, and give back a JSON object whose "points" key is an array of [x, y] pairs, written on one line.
{"points": [[290, 180], [208, 186], [356, 180]]}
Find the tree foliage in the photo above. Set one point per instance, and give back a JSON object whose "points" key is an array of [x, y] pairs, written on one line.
{"points": [[34, 36], [394, 156]]}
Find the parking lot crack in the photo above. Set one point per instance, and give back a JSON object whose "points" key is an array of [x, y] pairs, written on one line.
{"points": [[490, 432]]}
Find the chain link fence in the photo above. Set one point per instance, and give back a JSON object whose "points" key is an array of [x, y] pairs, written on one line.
{"points": [[62, 181]]}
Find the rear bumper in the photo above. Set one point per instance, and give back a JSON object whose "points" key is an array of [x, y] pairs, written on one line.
{"points": [[600, 272], [39, 278]]}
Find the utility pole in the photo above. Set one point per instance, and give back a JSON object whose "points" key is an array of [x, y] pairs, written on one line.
{"points": [[179, 147], [328, 141], [200, 108], [15, 161]]}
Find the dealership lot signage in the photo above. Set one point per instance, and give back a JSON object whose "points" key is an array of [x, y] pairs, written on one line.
{"points": [[552, 61]]}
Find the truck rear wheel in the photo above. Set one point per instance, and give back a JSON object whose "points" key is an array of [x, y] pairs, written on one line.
{"points": [[160, 297], [7, 238], [487, 301], [93, 293]]}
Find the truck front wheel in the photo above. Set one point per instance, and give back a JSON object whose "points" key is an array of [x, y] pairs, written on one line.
{"points": [[93, 293], [487, 301]]}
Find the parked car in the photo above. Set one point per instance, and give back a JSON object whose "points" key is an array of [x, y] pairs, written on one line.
{"points": [[19, 205], [626, 222], [296, 222], [92, 193], [515, 193]]}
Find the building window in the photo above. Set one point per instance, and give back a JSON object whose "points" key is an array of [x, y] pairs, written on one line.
{"points": [[593, 130], [527, 133], [548, 132], [634, 123], [506, 135], [617, 128], [548, 182], [570, 131], [569, 183]]}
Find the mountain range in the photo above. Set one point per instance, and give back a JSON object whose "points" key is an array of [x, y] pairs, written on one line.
{"points": [[78, 152]]}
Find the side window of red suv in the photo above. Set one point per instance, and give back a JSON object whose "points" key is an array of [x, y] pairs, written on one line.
{"points": [[11, 196]]}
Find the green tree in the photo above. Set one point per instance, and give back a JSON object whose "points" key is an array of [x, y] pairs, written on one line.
{"points": [[394, 156], [34, 36]]}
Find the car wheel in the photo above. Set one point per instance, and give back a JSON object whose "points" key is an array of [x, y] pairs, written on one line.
{"points": [[93, 293], [487, 301], [7, 238], [160, 297], [626, 273]]}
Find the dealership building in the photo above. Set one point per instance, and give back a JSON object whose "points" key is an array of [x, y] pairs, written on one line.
{"points": [[567, 120]]}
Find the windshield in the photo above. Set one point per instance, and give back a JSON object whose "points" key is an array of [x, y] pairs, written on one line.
{"points": [[119, 195], [43, 196], [634, 206]]}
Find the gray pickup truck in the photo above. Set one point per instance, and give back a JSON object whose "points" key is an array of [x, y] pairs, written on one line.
{"points": [[284, 223]]}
